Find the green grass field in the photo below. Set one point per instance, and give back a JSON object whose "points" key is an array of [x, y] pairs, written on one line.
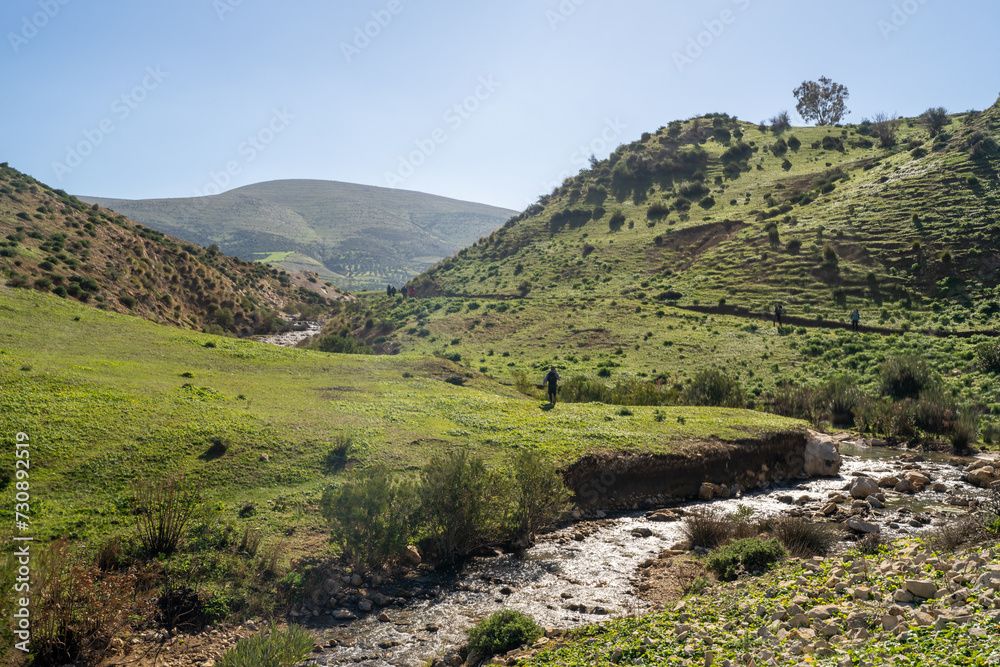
{"points": [[108, 399]]}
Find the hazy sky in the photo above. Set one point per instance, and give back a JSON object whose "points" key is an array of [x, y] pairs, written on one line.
{"points": [[491, 102]]}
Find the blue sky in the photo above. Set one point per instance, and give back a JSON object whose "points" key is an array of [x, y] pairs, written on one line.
{"points": [[490, 102]]}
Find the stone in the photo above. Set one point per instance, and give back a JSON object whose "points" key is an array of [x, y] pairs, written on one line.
{"points": [[356, 580], [641, 532], [384, 618], [939, 488], [860, 526], [344, 615], [904, 486], [875, 502], [888, 481], [829, 510], [862, 487], [923, 619], [889, 622], [902, 596], [707, 491], [983, 477], [412, 556], [821, 455]]}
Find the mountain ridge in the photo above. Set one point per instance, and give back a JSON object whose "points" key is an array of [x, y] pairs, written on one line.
{"points": [[350, 234]]}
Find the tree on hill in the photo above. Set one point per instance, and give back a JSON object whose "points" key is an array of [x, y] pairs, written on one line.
{"points": [[823, 101], [885, 128], [935, 118]]}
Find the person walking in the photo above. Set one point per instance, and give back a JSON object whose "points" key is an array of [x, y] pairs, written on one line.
{"points": [[855, 319], [552, 380], [778, 310]]}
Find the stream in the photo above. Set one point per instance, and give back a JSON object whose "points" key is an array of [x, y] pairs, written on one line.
{"points": [[571, 578]]}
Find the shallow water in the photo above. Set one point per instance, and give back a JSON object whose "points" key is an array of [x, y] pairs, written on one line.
{"points": [[594, 575]]}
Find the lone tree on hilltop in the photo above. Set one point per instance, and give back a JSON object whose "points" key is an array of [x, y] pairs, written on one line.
{"points": [[935, 119], [823, 101]]}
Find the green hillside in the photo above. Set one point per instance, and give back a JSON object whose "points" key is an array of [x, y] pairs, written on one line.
{"points": [[108, 399], [668, 258], [356, 236], [52, 242]]}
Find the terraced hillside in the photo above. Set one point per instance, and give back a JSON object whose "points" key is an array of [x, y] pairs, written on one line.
{"points": [[52, 242], [355, 236], [668, 258]]}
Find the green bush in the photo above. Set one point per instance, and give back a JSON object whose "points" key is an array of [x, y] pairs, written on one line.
{"points": [[905, 376], [341, 344], [370, 515], [988, 356], [749, 555], [464, 505], [503, 631], [714, 387], [270, 648], [539, 495]]}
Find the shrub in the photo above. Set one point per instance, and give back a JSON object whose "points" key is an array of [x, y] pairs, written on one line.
{"points": [[504, 631], [714, 387], [964, 430], [616, 221], [707, 528], [905, 376], [270, 648], [340, 450], [793, 246], [127, 301], [339, 343], [794, 143], [370, 517], [539, 495], [657, 211], [464, 505], [78, 610], [804, 538], [988, 356], [162, 512], [750, 555]]}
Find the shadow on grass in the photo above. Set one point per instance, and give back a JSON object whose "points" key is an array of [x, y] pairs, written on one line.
{"points": [[547, 406]]}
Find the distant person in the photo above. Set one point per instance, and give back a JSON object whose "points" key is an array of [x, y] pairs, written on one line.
{"points": [[855, 319], [392, 291], [413, 292], [388, 290], [778, 310], [552, 380]]}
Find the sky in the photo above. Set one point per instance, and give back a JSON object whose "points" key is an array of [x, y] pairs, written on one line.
{"points": [[492, 102]]}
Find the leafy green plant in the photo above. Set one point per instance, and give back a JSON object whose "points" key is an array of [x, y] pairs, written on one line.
{"points": [[905, 376], [748, 555], [464, 505], [503, 631], [714, 387], [270, 648], [370, 517], [539, 494]]}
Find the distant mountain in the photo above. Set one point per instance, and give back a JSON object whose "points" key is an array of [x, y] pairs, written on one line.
{"points": [[53, 242], [355, 236]]}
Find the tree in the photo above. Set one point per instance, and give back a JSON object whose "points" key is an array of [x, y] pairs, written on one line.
{"points": [[935, 119], [885, 127], [822, 101]]}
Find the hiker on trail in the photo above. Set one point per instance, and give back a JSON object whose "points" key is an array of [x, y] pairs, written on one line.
{"points": [[778, 310], [552, 379], [388, 290], [855, 318]]}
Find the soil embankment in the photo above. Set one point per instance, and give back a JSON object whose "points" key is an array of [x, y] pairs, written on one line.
{"points": [[622, 481]]}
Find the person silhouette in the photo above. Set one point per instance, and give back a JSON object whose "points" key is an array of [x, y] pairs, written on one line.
{"points": [[552, 380]]}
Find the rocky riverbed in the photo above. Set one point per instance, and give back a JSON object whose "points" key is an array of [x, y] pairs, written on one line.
{"points": [[587, 571]]}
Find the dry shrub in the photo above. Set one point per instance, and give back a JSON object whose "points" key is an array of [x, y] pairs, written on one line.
{"points": [[80, 609], [804, 538], [162, 512]]}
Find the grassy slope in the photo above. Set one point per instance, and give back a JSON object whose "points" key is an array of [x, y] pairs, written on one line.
{"points": [[610, 307], [48, 239], [103, 400], [383, 235]]}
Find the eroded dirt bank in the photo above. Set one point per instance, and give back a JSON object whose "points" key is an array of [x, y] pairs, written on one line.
{"points": [[630, 481]]}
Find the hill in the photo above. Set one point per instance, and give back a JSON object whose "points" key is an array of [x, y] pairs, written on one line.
{"points": [[355, 236], [53, 242], [664, 259]]}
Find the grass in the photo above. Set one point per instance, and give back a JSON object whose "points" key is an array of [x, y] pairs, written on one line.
{"points": [[103, 415]]}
